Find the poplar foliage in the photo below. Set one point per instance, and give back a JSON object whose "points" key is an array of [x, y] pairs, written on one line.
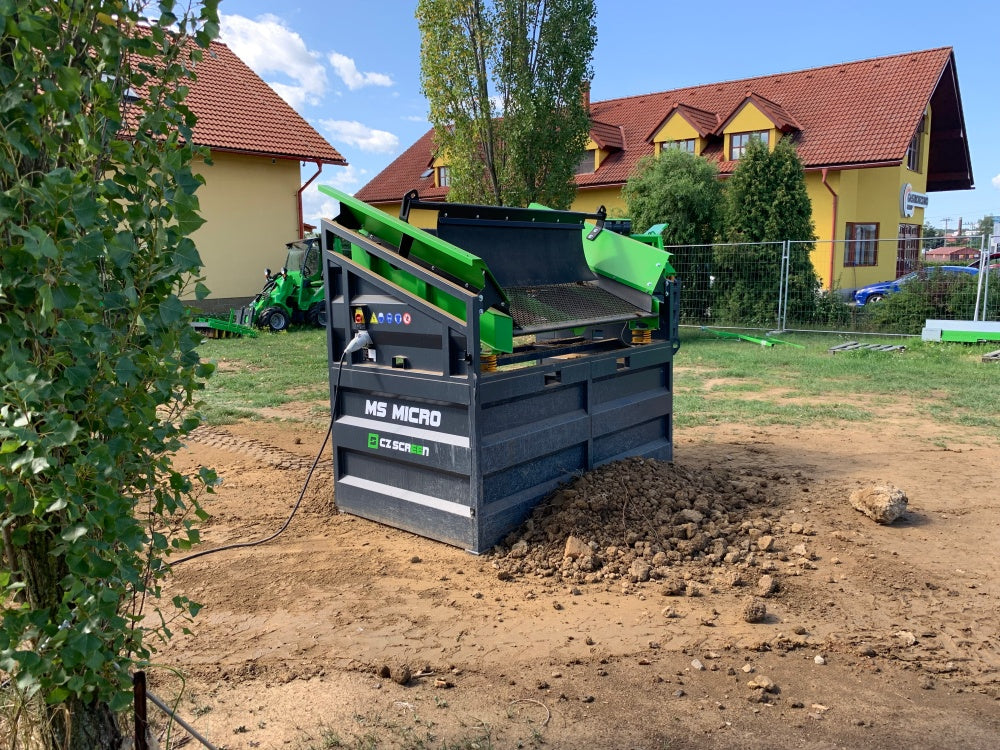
{"points": [[505, 81], [766, 203], [683, 191], [99, 367]]}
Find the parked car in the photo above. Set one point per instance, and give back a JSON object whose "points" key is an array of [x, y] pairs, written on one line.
{"points": [[878, 292], [994, 262]]}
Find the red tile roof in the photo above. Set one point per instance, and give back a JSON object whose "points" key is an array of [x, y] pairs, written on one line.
{"points": [[846, 115], [238, 112], [607, 136]]}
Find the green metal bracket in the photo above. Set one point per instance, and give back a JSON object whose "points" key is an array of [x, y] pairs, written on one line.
{"points": [[763, 341]]}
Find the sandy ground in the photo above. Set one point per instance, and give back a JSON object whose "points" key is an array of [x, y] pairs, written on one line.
{"points": [[879, 636]]}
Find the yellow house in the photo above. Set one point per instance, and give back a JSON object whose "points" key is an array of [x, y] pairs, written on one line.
{"points": [[875, 137], [252, 197]]}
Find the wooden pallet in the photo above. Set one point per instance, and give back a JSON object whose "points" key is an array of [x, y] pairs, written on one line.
{"points": [[992, 356], [851, 346]]}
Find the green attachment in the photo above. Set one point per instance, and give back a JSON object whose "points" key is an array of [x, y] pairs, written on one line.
{"points": [[444, 256], [213, 326], [496, 329], [765, 341]]}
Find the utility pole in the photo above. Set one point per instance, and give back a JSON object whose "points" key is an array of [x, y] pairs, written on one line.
{"points": [[946, 220]]}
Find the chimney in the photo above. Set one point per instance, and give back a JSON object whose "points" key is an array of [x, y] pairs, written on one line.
{"points": [[586, 96]]}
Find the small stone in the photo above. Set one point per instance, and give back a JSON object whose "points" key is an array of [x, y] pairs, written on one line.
{"points": [[556, 606], [576, 547], [401, 675], [799, 630], [415, 559], [763, 682], [747, 668], [754, 610], [588, 699], [679, 693], [766, 585], [906, 637], [384, 672], [765, 543], [519, 550], [543, 685], [818, 659], [883, 503], [926, 682], [797, 528], [800, 550], [697, 665], [866, 650], [477, 595]]}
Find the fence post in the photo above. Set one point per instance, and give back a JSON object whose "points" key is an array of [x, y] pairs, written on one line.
{"points": [[139, 698], [783, 286]]}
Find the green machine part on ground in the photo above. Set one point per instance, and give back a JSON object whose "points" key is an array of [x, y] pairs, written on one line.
{"points": [[295, 294], [635, 267]]}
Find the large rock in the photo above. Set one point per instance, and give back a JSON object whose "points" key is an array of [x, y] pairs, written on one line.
{"points": [[883, 503]]}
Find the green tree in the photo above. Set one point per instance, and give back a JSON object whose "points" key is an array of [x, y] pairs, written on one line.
{"points": [[504, 80], [766, 202], [683, 191], [99, 365]]}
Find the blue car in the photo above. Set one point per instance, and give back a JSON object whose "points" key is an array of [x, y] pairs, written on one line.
{"points": [[881, 290]]}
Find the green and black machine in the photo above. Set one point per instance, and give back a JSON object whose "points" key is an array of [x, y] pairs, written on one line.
{"points": [[476, 366], [294, 295]]}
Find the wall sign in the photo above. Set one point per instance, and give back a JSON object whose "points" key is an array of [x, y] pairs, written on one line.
{"points": [[909, 200]]}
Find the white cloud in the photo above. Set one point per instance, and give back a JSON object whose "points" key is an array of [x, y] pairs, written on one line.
{"points": [[269, 47], [348, 71], [996, 182], [415, 118], [361, 136]]}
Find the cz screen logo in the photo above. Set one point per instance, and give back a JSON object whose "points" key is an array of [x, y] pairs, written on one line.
{"points": [[375, 442]]}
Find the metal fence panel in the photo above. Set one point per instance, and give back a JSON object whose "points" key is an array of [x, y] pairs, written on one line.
{"points": [[775, 285]]}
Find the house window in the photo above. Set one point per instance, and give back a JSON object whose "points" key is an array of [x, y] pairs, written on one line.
{"points": [[738, 142], [861, 245], [913, 151], [586, 163], [443, 177], [685, 145]]}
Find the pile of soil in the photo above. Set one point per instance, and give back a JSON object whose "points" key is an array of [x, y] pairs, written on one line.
{"points": [[641, 519]]}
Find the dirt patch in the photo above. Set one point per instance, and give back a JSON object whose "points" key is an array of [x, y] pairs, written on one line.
{"points": [[617, 616]]}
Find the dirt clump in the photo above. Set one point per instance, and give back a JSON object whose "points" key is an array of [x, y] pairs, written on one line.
{"points": [[638, 520]]}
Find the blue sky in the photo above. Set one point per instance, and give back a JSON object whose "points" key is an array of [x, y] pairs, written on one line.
{"points": [[352, 69]]}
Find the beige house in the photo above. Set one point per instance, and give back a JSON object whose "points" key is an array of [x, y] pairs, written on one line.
{"points": [[252, 196]]}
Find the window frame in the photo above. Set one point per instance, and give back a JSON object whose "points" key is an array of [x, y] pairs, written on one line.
{"points": [[690, 145], [443, 176], [746, 136], [582, 167], [856, 250], [914, 149]]}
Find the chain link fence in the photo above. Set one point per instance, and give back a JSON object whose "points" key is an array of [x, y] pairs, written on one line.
{"points": [[775, 285]]}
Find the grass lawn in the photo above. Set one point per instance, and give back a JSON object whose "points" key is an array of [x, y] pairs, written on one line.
{"points": [[716, 380]]}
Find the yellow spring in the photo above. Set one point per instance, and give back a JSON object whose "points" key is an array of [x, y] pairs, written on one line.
{"points": [[642, 336], [487, 362]]}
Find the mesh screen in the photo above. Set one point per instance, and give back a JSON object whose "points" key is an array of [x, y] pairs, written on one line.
{"points": [[556, 306]]}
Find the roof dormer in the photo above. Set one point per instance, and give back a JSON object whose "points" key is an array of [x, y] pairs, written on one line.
{"points": [[685, 127], [754, 118], [603, 140]]}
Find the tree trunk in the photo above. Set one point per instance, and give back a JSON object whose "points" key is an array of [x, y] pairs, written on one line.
{"points": [[78, 725]]}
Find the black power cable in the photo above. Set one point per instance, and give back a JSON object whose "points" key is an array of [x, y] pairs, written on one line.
{"points": [[329, 432]]}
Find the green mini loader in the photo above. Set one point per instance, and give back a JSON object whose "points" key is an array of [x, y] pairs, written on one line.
{"points": [[294, 295]]}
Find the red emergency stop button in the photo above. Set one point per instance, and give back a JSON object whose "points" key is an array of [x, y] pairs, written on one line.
{"points": [[359, 316]]}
